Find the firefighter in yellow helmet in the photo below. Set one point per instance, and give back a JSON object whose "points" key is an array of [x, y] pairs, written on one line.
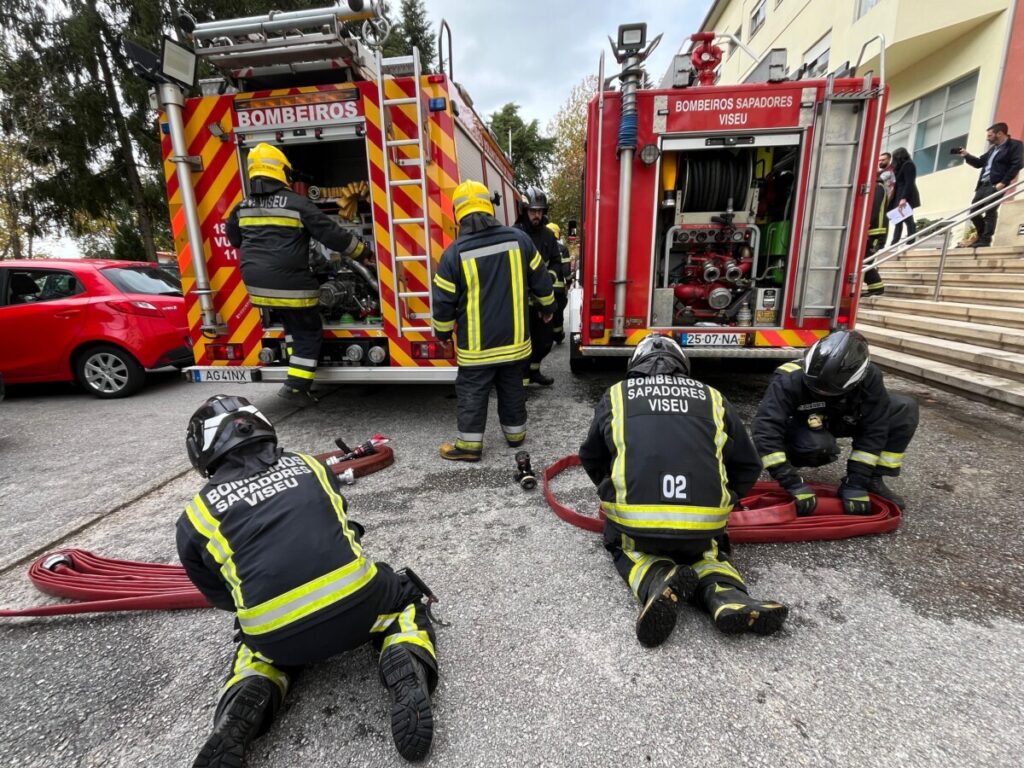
{"points": [[481, 296], [560, 282], [272, 228]]}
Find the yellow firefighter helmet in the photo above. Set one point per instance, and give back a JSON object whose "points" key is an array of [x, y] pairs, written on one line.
{"points": [[268, 161], [556, 229], [471, 197]]}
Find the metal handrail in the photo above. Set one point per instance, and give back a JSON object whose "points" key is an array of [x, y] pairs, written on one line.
{"points": [[944, 227]]}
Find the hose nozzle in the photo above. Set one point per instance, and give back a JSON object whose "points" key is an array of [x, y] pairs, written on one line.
{"points": [[524, 472]]}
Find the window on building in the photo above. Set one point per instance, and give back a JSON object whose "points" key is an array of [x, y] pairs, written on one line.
{"points": [[816, 57], [757, 17], [863, 6], [933, 125]]}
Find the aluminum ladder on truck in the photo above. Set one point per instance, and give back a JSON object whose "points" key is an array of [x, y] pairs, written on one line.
{"points": [[394, 66], [836, 158]]}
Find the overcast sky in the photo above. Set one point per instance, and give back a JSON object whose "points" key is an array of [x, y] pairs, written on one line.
{"points": [[533, 52]]}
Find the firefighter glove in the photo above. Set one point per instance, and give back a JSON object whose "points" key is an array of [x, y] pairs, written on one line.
{"points": [[855, 496], [804, 499]]}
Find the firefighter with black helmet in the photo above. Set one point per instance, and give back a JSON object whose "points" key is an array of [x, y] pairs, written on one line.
{"points": [[269, 539], [533, 220], [480, 294], [834, 391], [670, 458], [272, 228], [560, 282]]}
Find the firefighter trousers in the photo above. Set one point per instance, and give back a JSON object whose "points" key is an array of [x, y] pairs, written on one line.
{"points": [[303, 333], [541, 337], [872, 278], [642, 562], [806, 447], [558, 321], [391, 614], [472, 388]]}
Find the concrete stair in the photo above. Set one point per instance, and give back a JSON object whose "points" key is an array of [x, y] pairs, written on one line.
{"points": [[970, 341]]}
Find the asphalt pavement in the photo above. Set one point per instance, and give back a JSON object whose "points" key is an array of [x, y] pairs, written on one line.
{"points": [[904, 649]]}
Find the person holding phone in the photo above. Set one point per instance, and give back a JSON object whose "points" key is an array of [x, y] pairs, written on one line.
{"points": [[999, 166], [906, 196]]}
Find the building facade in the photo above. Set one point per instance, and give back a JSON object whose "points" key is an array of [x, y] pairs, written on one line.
{"points": [[953, 68]]}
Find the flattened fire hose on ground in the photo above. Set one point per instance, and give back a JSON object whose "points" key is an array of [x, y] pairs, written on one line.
{"points": [[766, 515], [102, 584]]}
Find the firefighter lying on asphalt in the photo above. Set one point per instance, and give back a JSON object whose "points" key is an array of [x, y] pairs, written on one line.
{"points": [[272, 228], [480, 294], [835, 391], [268, 538], [670, 457], [533, 219]]}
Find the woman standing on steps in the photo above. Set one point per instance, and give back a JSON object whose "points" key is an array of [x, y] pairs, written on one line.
{"points": [[906, 194]]}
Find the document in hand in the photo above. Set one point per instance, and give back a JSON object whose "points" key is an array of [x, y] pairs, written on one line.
{"points": [[899, 213]]}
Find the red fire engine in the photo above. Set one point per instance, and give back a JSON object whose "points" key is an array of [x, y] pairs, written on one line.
{"points": [[378, 142], [731, 217]]}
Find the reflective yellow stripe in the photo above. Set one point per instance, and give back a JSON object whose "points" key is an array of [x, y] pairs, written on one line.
{"points": [[788, 367], [772, 459], [619, 439], [472, 303], [710, 565], [678, 518], [515, 260], [383, 622], [535, 262], [864, 457], [299, 373], [409, 634], [444, 326], [336, 501], [249, 664], [546, 301], [263, 301], [890, 460], [269, 221], [444, 285], [208, 526], [507, 353], [641, 565], [718, 410]]}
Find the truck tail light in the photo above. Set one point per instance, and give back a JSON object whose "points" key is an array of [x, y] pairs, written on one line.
{"points": [[225, 351], [135, 307], [597, 316], [432, 350]]}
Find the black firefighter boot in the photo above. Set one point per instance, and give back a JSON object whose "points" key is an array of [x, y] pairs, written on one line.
{"points": [[243, 713], [412, 721], [657, 618], [877, 486], [733, 611]]}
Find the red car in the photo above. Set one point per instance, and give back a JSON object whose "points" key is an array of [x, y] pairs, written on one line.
{"points": [[100, 323]]}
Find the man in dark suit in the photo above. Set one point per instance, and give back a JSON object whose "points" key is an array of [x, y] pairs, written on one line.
{"points": [[999, 166]]}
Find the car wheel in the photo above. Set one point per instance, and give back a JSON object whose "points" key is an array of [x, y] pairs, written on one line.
{"points": [[108, 371]]}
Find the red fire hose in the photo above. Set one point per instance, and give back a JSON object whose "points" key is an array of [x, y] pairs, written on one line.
{"points": [[102, 584], [766, 515]]}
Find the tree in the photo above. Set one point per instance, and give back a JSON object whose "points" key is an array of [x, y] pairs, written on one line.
{"points": [[569, 127], [412, 28], [531, 152], [16, 225]]}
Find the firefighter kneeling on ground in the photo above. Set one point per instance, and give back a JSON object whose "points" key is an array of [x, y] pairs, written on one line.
{"points": [[670, 458], [835, 391], [481, 287], [560, 282], [268, 538], [272, 228]]}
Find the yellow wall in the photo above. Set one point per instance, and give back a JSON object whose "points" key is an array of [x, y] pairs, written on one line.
{"points": [[930, 43]]}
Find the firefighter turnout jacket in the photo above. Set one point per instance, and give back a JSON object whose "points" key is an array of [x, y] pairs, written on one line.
{"points": [[670, 457], [862, 413], [272, 228], [276, 548], [481, 286], [548, 248]]}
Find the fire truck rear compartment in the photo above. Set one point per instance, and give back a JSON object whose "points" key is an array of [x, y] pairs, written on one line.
{"points": [[722, 231]]}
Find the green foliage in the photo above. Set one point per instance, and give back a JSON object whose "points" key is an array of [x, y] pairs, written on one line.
{"points": [[569, 129], [531, 152], [411, 27]]}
